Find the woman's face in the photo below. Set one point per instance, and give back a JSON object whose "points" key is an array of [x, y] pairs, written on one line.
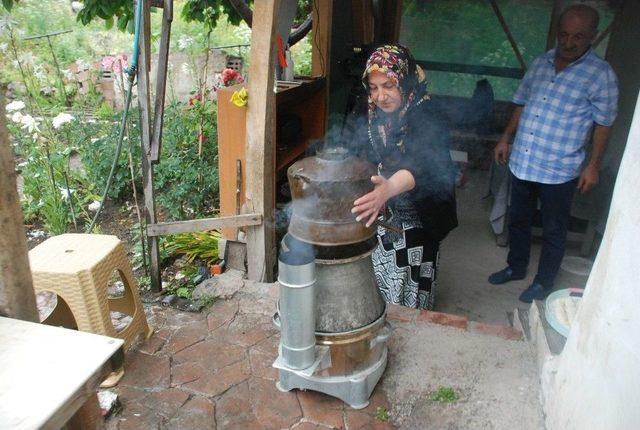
{"points": [[384, 92]]}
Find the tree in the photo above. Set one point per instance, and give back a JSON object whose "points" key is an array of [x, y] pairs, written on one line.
{"points": [[206, 11]]}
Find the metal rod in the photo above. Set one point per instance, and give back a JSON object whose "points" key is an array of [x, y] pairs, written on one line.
{"points": [[40, 36], [55, 62], [507, 32]]}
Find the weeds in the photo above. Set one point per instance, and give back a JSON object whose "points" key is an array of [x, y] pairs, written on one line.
{"points": [[444, 395], [382, 414]]}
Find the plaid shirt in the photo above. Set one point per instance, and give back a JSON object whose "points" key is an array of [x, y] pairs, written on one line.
{"points": [[559, 112]]}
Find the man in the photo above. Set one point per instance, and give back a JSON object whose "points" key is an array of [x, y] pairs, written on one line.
{"points": [[567, 94]]}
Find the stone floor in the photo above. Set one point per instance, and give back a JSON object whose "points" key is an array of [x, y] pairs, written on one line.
{"points": [[212, 370]]}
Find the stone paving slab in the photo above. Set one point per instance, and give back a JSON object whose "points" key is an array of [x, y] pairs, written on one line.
{"points": [[213, 370]]}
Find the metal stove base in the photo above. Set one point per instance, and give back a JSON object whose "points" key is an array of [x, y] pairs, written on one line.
{"points": [[354, 390]]}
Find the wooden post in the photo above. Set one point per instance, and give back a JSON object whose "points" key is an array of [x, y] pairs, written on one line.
{"points": [[260, 154], [320, 45], [17, 299], [145, 135]]}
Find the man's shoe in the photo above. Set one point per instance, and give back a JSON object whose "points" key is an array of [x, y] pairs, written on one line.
{"points": [[504, 276], [534, 292]]}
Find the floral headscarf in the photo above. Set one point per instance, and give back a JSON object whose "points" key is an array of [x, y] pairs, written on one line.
{"points": [[397, 63]]}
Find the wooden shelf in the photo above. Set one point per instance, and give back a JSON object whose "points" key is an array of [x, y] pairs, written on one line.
{"points": [[305, 98]]}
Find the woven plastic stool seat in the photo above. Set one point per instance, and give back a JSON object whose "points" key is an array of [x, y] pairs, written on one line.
{"points": [[78, 268]]}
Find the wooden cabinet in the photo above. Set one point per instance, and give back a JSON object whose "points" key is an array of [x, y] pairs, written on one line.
{"points": [[301, 118]]}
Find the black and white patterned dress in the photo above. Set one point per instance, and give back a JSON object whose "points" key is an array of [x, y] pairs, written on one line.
{"points": [[406, 264]]}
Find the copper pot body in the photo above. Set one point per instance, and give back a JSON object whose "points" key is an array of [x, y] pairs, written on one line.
{"points": [[323, 189]]}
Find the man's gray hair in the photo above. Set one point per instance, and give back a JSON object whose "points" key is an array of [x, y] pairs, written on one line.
{"points": [[583, 11]]}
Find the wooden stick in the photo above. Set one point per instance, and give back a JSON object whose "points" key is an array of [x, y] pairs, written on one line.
{"points": [[175, 227]]}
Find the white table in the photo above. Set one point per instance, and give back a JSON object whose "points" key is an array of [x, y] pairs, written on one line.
{"points": [[47, 373]]}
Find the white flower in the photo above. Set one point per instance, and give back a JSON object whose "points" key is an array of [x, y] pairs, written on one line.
{"points": [[29, 123], [94, 206], [4, 47], [64, 193], [27, 58], [62, 118], [77, 6], [16, 117], [38, 72], [184, 42], [15, 105], [186, 69]]}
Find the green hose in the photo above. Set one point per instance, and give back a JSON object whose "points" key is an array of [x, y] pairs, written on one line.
{"points": [[131, 73]]}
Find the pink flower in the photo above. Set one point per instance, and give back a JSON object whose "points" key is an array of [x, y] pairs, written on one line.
{"points": [[231, 77], [114, 63]]}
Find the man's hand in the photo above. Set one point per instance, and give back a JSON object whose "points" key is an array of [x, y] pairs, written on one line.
{"points": [[368, 206], [588, 178], [501, 151]]}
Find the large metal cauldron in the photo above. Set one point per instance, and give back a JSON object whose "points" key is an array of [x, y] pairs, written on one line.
{"points": [[323, 189]]}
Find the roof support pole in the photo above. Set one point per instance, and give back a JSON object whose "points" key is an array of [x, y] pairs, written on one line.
{"points": [[261, 134]]}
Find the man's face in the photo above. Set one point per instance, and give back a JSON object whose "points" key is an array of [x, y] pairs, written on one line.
{"points": [[575, 34]]}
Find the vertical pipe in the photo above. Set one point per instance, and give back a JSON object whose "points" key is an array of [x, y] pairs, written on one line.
{"points": [[297, 277]]}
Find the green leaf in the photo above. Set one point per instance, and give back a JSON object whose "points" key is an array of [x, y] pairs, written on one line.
{"points": [[8, 4], [108, 23]]}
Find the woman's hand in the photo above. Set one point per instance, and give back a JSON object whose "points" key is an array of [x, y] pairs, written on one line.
{"points": [[368, 206]]}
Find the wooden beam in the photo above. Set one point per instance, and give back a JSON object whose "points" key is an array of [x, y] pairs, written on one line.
{"points": [[261, 133], [471, 69], [161, 81], [164, 228], [17, 299], [145, 135], [321, 43]]}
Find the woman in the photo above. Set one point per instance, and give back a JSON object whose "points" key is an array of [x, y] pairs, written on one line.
{"points": [[414, 189]]}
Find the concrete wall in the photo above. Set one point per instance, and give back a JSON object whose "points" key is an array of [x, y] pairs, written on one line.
{"points": [[595, 382]]}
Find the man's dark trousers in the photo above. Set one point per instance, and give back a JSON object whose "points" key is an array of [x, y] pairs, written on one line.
{"points": [[555, 205]]}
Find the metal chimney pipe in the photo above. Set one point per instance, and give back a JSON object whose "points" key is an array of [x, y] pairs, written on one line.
{"points": [[297, 277]]}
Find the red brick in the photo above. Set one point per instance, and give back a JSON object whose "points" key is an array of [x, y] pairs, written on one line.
{"points": [[246, 330], [197, 414], [268, 345], [215, 384], [440, 318], [221, 312], [211, 354], [186, 372], [321, 409], [278, 409], [502, 331], [146, 371], [234, 411], [356, 420], [185, 337], [306, 425], [138, 417], [152, 345], [261, 365], [166, 402], [401, 313]]}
